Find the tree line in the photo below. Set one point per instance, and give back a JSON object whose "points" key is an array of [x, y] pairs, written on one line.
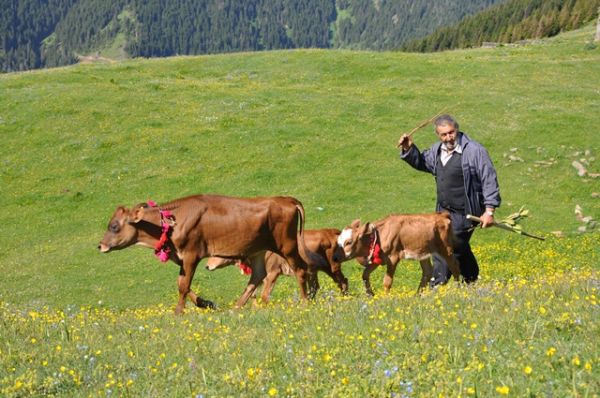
{"points": [[510, 22], [45, 33]]}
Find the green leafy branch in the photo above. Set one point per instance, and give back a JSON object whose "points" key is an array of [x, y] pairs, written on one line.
{"points": [[511, 223]]}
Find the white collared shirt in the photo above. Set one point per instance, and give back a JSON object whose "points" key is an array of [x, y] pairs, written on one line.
{"points": [[445, 155]]}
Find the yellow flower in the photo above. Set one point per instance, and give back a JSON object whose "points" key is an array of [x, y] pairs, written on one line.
{"points": [[272, 391], [527, 370], [345, 381], [576, 361], [551, 351], [588, 367], [470, 390], [504, 390], [542, 310], [473, 325]]}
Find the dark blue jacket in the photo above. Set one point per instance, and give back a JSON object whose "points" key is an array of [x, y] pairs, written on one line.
{"points": [[481, 182]]}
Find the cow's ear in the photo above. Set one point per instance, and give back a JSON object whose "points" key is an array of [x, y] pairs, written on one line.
{"points": [[355, 224], [137, 214]]}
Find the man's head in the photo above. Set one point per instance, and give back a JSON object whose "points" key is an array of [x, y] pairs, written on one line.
{"points": [[446, 128]]}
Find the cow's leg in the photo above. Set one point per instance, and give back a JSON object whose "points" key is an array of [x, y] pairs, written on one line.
{"points": [[426, 273], [258, 274], [199, 301], [388, 279], [366, 277], [301, 270], [184, 281]]}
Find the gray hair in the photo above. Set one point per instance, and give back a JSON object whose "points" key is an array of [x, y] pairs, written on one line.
{"points": [[445, 120]]}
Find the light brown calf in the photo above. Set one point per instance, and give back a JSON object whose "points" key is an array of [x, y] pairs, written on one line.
{"points": [[399, 236]]}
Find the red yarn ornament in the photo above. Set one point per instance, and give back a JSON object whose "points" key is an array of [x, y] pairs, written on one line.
{"points": [[375, 250], [161, 250], [245, 268]]}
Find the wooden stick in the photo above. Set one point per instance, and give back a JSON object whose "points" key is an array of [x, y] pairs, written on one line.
{"points": [[505, 227], [423, 124]]}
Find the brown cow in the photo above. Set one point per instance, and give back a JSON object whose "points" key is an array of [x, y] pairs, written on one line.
{"points": [[396, 237], [320, 241], [214, 225]]}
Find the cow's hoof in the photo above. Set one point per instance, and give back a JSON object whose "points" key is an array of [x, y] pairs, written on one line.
{"points": [[201, 303]]}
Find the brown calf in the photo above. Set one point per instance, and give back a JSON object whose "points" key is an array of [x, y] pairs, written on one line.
{"points": [[397, 237], [213, 225], [320, 241]]}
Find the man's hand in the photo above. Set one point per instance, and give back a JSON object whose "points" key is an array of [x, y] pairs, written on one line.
{"points": [[405, 142], [487, 219]]}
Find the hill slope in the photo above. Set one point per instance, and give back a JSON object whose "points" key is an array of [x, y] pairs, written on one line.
{"points": [[318, 125]]}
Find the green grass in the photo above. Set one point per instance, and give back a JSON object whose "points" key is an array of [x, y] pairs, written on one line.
{"points": [[321, 126]]}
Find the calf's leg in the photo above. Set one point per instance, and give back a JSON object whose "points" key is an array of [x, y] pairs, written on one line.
{"points": [[426, 273], [258, 274], [339, 278], [388, 279], [270, 284], [366, 277]]}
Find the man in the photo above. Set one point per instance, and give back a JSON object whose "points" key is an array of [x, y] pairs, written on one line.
{"points": [[466, 184]]}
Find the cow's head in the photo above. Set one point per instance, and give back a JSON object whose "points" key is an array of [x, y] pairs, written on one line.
{"points": [[354, 241], [214, 263], [121, 232]]}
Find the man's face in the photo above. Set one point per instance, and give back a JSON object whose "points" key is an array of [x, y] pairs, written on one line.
{"points": [[447, 134]]}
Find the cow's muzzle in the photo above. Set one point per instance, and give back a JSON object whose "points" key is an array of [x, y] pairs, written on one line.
{"points": [[103, 248]]}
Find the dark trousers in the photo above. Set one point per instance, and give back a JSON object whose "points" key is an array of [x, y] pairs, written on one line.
{"points": [[467, 262]]}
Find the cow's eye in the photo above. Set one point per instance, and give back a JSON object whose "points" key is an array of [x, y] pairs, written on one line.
{"points": [[348, 243], [114, 227]]}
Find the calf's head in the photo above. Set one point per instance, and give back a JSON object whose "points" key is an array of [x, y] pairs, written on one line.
{"points": [[354, 241], [121, 231]]}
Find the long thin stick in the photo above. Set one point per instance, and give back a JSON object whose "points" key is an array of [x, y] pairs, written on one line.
{"points": [[423, 124], [506, 227]]}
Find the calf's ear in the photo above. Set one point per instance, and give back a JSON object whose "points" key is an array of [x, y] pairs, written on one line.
{"points": [[365, 229], [355, 224], [136, 215]]}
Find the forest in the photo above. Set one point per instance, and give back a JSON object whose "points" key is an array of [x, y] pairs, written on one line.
{"points": [[510, 22], [48, 33]]}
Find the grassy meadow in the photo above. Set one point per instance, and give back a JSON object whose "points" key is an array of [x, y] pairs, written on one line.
{"points": [[321, 126]]}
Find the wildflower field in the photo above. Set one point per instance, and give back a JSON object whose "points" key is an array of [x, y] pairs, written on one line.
{"points": [[321, 126]]}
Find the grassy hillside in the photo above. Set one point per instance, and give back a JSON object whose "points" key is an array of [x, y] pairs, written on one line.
{"points": [[318, 125]]}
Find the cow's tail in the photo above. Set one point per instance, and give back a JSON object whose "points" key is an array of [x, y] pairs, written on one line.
{"points": [[311, 258]]}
